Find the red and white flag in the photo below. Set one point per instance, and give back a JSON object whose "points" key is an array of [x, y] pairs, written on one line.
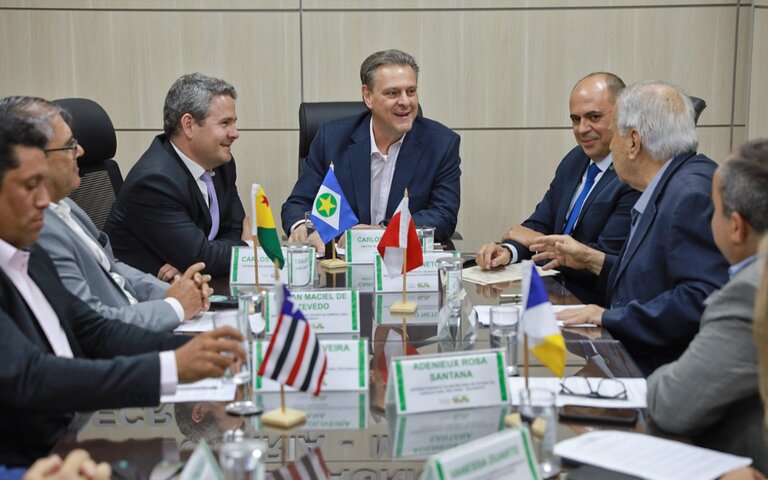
{"points": [[294, 356], [399, 237], [309, 467]]}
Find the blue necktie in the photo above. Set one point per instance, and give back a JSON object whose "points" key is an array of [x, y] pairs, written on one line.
{"points": [[576, 210]]}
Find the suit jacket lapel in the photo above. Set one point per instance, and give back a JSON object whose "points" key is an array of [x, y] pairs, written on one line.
{"points": [[358, 157], [192, 187], [407, 163], [609, 175]]}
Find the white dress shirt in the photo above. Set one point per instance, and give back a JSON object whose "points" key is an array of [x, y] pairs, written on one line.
{"points": [[197, 172], [382, 171]]}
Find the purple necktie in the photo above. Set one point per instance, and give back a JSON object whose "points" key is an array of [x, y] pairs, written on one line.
{"points": [[213, 204]]}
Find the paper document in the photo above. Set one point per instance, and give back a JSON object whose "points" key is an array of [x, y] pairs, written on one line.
{"points": [[510, 273], [484, 315], [208, 390], [647, 456], [637, 391], [203, 322]]}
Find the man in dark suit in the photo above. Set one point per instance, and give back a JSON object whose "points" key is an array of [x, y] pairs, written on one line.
{"points": [[179, 204], [585, 199], [57, 356], [377, 154], [656, 286]]}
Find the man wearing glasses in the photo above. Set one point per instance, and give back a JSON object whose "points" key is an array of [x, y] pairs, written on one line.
{"points": [[83, 256]]}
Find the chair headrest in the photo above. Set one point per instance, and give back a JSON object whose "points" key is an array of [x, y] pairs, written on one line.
{"points": [[698, 106], [92, 128]]}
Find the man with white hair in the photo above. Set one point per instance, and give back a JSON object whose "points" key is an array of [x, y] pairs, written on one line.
{"points": [[657, 284]]}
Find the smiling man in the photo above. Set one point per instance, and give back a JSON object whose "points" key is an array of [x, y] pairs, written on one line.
{"points": [[585, 199], [179, 204], [377, 154]]}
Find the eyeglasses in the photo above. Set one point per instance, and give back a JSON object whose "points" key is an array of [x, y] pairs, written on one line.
{"points": [[72, 147], [606, 388]]}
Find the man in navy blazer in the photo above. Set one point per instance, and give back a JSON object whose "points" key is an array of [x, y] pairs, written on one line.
{"points": [[179, 204], [57, 356], [595, 211], [657, 284], [377, 154]]}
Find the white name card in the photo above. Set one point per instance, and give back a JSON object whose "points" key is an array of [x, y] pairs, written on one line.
{"points": [[429, 383], [347, 366], [241, 267], [423, 434], [327, 411], [326, 310], [360, 277], [425, 315], [422, 279], [507, 454], [361, 244]]}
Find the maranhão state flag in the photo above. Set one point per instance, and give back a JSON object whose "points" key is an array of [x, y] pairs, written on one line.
{"points": [[539, 323], [263, 225], [400, 239], [294, 356]]}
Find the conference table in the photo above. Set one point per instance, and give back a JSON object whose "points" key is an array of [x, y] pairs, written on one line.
{"points": [[359, 437]]}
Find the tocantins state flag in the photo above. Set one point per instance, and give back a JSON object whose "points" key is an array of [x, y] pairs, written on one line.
{"points": [[331, 212]]}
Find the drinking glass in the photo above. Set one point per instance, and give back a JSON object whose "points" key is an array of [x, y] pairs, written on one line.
{"points": [[539, 403], [243, 460], [504, 323]]}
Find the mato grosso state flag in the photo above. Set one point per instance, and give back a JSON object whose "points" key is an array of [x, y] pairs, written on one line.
{"points": [[294, 356], [263, 225], [544, 337], [331, 212]]}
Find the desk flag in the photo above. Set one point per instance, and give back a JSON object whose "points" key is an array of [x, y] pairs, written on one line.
{"points": [[401, 236], [294, 356], [331, 212], [311, 466], [539, 322], [263, 226]]}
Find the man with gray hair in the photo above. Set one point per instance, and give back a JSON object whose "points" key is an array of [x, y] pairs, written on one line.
{"points": [[710, 393], [82, 255], [378, 153], [669, 264], [179, 204]]}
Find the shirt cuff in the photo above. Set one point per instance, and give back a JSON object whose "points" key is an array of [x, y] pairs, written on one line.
{"points": [[293, 227], [176, 306], [512, 252], [169, 376]]}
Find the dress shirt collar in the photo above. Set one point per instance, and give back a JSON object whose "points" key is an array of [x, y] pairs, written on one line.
{"points": [[737, 267], [13, 258], [604, 164], [194, 168], [375, 149], [645, 197], [62, 209]]}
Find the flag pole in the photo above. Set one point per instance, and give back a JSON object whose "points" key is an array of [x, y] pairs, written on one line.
{"points": [[405, 335], [525, 359], [256, 260], [404, 306], [282, 398], [277, 271]]}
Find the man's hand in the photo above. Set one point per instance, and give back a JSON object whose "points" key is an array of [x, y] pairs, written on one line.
{"points": [[299, 235], [491, 256], [587, 314], [78, 465], [190, 290], [247, 234], [521, 234], [209, 354], [564, 251], [491, 291], [168, 272]]}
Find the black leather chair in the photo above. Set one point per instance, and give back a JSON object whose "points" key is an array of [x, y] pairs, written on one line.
{"points": [[698, 106], [100, 175]]}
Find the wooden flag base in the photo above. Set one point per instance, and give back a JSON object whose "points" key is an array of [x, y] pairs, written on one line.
{"points": [[283, 418], [333, 263], [403, 307]]}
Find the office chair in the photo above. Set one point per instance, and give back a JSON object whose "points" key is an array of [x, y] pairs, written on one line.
{"points": [[100, 177], [698, 106]]}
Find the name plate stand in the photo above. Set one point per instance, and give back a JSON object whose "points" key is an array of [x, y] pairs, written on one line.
{"points": [[427, 383], [361, 244], [327, 311]]}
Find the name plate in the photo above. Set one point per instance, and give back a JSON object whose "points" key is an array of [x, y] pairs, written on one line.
{"points": [[241, 267], [429, 383], [326, 310], [507, 454], [361, 244], [327, 411], [425, 315], [424, 434], [422, 279], [360, 277], [347, 366]]}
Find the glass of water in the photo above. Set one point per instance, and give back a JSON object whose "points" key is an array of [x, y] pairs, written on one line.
{"points": [[243, 460], [504, 324], [538, 410]]}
